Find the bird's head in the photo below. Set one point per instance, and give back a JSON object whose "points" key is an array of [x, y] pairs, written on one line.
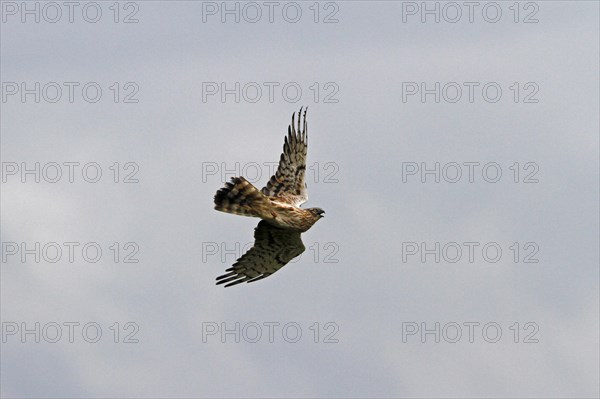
{"points": [[317, 212]]}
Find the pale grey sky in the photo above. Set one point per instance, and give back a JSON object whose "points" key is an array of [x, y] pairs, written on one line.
{"points": [[358, 273]]}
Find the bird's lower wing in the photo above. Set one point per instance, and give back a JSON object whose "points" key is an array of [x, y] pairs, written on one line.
{"points": [[273, 248]]}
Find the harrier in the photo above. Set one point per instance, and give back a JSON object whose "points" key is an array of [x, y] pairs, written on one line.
{"points": [[277, 236]]}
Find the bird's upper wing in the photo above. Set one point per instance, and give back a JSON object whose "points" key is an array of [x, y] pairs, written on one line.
{"points": [[273, 248], [287, 184]]}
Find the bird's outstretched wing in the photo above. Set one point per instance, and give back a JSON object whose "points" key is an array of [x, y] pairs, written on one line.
{"points": [[273, 248], [287, 184]]}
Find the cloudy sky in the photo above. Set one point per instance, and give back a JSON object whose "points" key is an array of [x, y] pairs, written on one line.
{"points": [[457, 162]]}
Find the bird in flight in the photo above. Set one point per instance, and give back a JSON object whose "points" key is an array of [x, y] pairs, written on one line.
{"points": [[277, 236]]}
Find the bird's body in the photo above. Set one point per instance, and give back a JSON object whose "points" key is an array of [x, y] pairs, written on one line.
{"points": [[240, 197], [292, 217], [277, 237]]}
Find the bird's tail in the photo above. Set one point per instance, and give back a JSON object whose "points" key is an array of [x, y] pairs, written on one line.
{"points": [[241, 198]]}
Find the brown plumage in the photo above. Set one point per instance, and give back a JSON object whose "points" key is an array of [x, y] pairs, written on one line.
{"points": [[278, 205], [273, 248]]}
